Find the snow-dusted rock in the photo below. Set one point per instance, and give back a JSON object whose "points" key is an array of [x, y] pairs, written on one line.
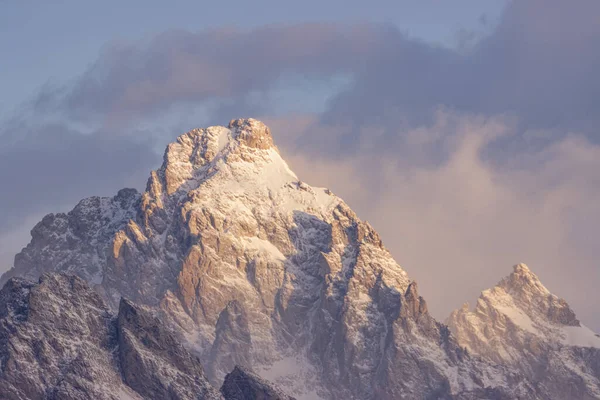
{"points": [[58, 340], [153, 362], [521, 324], [76, 242]]}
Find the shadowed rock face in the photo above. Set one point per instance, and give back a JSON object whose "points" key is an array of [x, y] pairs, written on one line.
{"points": [[251, 266], [241, 384], [58, 340], [233, 342], [153, 362]]}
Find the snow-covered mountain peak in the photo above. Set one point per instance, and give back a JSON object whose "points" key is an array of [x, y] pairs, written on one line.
{"points": [[249, 264], [525, 290], [520, 322], [524, 283], [523, 301], [201, 152]]}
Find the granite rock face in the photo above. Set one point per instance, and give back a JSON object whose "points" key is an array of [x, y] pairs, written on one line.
{"points": [[251, 266], [153, 362], [233, 341]]}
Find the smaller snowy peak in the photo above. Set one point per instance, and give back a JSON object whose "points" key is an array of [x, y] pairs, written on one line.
{"points": [[517, 310], [523, 293], [527, 291], [520, 323], [523, 281]]}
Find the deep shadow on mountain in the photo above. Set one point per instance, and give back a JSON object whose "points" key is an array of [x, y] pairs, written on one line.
{"points": [[59, 340]]}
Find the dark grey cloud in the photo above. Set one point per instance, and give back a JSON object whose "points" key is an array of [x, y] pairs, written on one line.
{"points": [[540, 64], [181, 67], [52, 166]]}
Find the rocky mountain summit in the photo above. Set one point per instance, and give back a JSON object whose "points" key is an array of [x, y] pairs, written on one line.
{"points": [[251, 267]]}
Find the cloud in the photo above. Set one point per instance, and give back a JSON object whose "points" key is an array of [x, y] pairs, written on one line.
{"points": [[178, 67], [457, 226], [47, 168], [538, 65]]}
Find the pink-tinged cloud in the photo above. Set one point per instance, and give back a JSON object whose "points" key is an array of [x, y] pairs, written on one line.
{"points": [[458, 225]]}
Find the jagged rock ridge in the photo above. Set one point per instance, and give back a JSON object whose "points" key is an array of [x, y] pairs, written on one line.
{"points": [[252, 266], [58, 340]]}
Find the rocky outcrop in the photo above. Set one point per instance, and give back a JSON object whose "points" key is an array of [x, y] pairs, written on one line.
{"points": [[521, 324], [56, 341], [252, 133], [76, 242], [153, 362], [241, 384]]}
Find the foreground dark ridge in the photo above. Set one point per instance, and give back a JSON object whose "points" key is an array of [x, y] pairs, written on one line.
{"points": [[251, 266], [58, 340]]}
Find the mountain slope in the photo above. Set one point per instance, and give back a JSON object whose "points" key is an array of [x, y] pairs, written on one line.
{"points": [[76, 242], [254, 267], [521, 324], [58, 340]]}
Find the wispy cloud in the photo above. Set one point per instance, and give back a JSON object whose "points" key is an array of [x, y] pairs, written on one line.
{"points": [[457, 224]]}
